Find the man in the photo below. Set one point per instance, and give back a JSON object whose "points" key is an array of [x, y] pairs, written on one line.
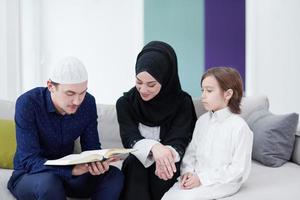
{"points": [[48, 121]]}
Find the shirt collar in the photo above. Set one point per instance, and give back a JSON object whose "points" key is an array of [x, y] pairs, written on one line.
{"points": [[220, 115], [50, 106]]}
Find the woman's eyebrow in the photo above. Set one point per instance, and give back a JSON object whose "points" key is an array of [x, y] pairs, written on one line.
{"points": [[147, 82]]}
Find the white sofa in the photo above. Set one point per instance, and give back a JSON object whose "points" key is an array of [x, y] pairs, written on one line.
{"points": [[282, 183]]}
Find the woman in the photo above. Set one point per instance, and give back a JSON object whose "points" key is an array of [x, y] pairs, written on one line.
{"points": [[157, 118]]}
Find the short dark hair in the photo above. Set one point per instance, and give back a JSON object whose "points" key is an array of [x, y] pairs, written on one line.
{"points": [[228, 78]]}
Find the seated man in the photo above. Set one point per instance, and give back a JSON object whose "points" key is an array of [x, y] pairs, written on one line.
{"points": [[48, 121]]}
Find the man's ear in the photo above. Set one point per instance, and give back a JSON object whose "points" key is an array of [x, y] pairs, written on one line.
{"points": [[50, 86], [228, 94]]}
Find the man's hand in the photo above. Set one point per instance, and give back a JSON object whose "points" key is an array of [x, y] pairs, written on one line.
{"points": [[189, 180], [95, 168], [80, 169], [165, 161]]}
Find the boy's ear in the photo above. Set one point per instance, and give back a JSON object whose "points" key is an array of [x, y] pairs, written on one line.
{"points": [[228, 94]]}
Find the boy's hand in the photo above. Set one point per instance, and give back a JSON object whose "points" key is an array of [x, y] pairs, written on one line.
{"points": [[189, 180]]}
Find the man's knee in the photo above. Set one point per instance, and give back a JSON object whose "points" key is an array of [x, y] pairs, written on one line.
{"points": [[49, 183], [39, 186], [116, 177]]}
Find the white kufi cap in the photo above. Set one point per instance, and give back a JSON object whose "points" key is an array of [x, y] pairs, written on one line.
{"points": [[69, 70]]}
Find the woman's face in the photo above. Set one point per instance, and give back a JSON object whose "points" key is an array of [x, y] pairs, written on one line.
{"points": [[147, 86]]}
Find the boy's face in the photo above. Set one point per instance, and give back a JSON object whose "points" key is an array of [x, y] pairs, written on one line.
{"points": [[67, 97], [213, 97]]}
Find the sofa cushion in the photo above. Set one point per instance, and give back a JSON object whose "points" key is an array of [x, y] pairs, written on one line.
{"points": [[268, 183], [5, 194], [7, 109], [296, 152], [7, 143], [274, 136], [248, 105], [252, 103], [108, 126], [298, 130], [200, 110]]}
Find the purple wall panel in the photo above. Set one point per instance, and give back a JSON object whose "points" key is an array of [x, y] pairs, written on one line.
{"points": [[225, 34]]}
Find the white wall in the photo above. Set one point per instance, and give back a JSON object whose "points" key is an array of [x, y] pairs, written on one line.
{"points": [[35, 34], [30, 30], [105, 35], [10, 70], [3, 69], [273, 52]]}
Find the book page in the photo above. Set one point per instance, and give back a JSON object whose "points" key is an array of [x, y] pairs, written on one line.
{"points": [[116, 152], [90, 156], [83, 157]]}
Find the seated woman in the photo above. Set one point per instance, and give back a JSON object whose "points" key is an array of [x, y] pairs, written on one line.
{"points": [[157, 118]]}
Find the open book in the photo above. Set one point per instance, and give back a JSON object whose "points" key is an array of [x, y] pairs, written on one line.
{"points": [[90, 156]]}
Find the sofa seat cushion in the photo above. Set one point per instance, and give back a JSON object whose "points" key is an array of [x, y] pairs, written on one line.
{"points": [[4, 177], [271, 183], [7, 143]]}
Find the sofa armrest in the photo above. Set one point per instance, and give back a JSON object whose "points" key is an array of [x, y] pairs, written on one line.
{"points": [[296, 152]]}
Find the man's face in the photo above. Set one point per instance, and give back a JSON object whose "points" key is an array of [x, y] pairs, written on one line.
{"points": [[67, 97]]}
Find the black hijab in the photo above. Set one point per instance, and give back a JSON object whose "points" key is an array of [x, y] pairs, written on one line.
{"points": [[158, 59]]}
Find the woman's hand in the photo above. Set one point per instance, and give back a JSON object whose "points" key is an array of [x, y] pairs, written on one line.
{"points": [[165, 161], [160, 171], [189, 180]]}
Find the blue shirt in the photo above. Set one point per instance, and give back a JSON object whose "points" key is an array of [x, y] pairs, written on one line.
{"points": [[42, 133]]}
